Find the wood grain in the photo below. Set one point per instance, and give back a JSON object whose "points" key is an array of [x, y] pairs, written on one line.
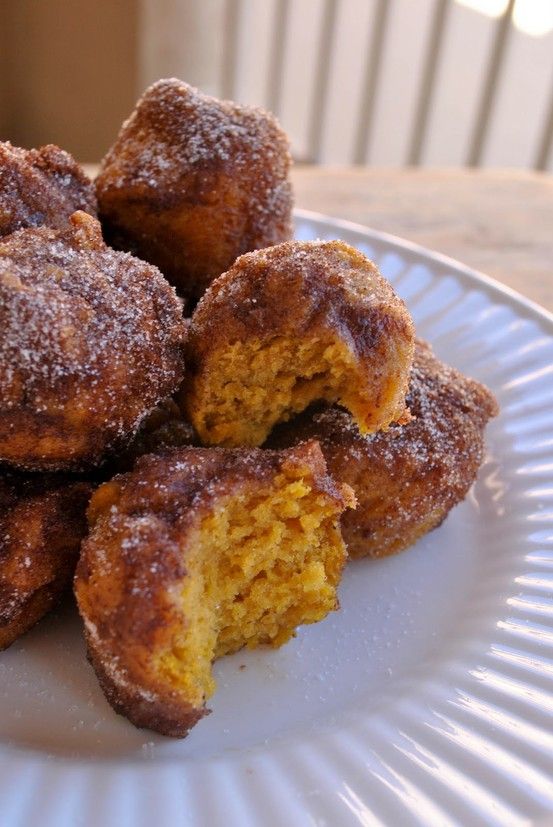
{"points": [[498, 221]]}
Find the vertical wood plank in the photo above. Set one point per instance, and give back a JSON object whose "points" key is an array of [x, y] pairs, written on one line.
{"points": [[343, 94], [361, 150], [183, 40], [458, 86], [546, 141], [487, 99], [322, 75], [276, 62], [522, 102], [299, 72], [428, 82], [229, 56], [400, 81]]}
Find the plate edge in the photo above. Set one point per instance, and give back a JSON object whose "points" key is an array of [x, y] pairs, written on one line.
{"points": [[412, 246]]}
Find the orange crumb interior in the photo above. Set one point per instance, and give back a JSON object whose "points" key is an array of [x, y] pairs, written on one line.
{"points": [[261, 564], [271, 382]]}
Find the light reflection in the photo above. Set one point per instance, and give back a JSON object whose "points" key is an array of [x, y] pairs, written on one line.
{"points": [[359, 809], [490, 753], [536, 468], [536, 581], [535, 664], [528, 377], [539, 492], [456, 780], [510, 723], [510, 686], [532, 631], [412, 797], [544, 558], [532, 17], [491, 8], [532, 605], [540, 517]]}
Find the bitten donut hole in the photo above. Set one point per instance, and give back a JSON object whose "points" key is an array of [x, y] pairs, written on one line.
{"points": [[261, 563], [289, 325], [271, 382]]}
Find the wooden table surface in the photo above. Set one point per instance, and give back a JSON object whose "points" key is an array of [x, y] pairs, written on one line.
{"points": [[497, 221]]}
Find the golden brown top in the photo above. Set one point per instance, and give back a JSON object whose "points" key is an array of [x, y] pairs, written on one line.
{"points": [[41, 187], [409, 477], [176, 129], [179, 484], [294, 287], [449, 412]]}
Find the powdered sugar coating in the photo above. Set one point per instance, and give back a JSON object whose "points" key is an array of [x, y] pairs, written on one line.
{"points": [[192, 182], [164, 428], [42, 522], [408, 478], [133, 565], [92, 340], [175, 127], [41, 187], [301, 291]]}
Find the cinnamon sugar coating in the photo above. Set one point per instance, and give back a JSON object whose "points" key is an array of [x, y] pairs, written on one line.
{"points": [[408, 478], [163, 428], [289, 325], [182, 550], [41, 187], [42, 523], [91, 340], [192, 182]]}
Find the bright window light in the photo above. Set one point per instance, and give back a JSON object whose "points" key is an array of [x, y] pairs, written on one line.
{"points": [[491, 8], [532, 17]]}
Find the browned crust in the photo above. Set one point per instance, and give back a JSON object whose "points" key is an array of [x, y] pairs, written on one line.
{"points": [[42, 522], [299, 290], [41, 187], [408, 478], [163, 712], [34, 608], [91, 341], [140, 526], [192, 182], [163, 428]]}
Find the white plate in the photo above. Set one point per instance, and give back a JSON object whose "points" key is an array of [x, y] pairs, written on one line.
{"points": [[426, 700]]}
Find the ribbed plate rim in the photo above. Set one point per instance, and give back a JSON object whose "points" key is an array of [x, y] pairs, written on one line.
{"points": [[89, 773]]}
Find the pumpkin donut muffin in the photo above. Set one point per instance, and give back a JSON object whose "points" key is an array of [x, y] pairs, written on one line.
{"points": [[408, 478], [91, 341], [42, 523], [196, 553], [163, 428], [192, 182], [289, 325], [41, 186]]}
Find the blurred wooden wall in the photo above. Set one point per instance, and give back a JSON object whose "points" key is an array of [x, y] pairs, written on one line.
{"points": [[381, 82], [68, 72]]}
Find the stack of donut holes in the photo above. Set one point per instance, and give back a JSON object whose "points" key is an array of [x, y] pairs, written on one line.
{"points": [[180, 380]]}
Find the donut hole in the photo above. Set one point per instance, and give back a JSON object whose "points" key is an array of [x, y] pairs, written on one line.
{"points": [[272, 381], [42, 523], [261, 563]]}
